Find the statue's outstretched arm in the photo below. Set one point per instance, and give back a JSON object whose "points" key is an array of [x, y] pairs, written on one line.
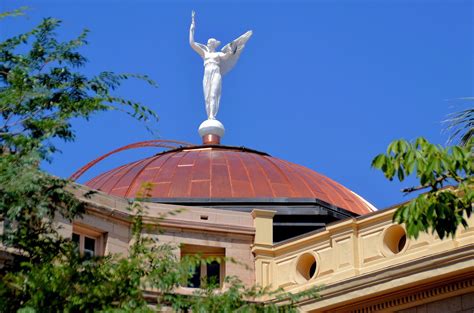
{"points": [[196, 47]]}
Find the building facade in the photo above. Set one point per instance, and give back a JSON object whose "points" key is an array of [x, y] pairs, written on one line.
{"points": [[289, 226]]}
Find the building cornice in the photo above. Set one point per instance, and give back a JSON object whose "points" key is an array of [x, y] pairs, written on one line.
{"points": [[198, 226], [380, 286], [111, 207]]}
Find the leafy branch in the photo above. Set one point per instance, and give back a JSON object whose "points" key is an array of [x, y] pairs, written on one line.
{"points": [[440, 209], [41, 90]]}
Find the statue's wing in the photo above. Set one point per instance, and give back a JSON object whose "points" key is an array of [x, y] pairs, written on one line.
{"points": [[235, 48]]}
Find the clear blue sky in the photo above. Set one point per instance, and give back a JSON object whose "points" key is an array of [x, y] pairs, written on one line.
{"points": [[325, 84]]}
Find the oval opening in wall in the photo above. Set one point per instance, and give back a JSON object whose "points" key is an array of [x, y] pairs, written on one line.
{"points": [[306, 267], [394, 239]]}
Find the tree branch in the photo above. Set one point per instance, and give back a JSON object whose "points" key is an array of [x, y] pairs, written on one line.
{"points": [[421, 187]]}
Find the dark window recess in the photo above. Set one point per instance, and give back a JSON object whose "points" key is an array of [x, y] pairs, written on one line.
{"points": [[89, 247], [312, 270], [290, 226], [76, 238], [213, 273], [195, 280], [402, 242]]}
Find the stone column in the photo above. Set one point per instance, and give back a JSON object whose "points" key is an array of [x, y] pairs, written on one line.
{"points": [[263, 223]]}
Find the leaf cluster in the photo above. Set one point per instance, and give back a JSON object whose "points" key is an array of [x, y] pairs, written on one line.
{"points": [[71, 283], [440, 209], [239, 298], [29, 201], [42, 89]]}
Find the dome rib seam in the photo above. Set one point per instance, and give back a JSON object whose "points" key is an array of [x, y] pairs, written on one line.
{"points": [[94, 181], [300, 177], [290, 187], [265, 174], [137, 175], [111, 173], [248, 174], [128, 171]]}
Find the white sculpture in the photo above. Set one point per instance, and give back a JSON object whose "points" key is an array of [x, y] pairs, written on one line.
{"points": [[216, 64]]}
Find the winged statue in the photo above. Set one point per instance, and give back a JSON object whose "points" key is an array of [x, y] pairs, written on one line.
{"points": [[216, 64]]}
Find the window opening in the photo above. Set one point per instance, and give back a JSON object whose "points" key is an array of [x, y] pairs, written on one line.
{"points": [[306, 267], [89, 247], [195, 280], [402, 242], [89, 242], [394, 240], [213, 273], [208, 272], [76, 238]]}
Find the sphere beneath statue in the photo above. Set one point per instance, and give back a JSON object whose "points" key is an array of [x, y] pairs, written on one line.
{"points": [[211, 129]]}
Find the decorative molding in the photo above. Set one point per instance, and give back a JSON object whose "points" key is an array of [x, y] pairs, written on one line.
{"points": [[374, 287], [263, 213], [417, 298], [201, 226]]}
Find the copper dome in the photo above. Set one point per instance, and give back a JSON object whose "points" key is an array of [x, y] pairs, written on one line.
{"points": [[216, 172]]}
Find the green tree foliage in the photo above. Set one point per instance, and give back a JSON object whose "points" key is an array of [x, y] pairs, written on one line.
{"points": [[238, 298], [41, 90], [16, 12], [442, 209]]}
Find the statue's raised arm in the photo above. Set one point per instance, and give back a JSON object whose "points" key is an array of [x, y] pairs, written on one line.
{"points": [[198, 47]]}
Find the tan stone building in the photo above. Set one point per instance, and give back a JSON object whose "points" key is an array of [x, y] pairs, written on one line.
{"points": [[292, 227]]}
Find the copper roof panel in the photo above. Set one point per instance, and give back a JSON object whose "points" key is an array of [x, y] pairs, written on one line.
{"points": [[125, 181], [260, 184], [300, 188], [220, 181], [113, 177], [272, 172], [202, 165], [200, 189], [236, 168], [167, 172], [181, 181], [148, 174], [161, 190], [283, 190], [241, 189]]}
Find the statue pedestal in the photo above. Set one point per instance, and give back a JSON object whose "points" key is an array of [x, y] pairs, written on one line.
{"points": [[211, 132]]}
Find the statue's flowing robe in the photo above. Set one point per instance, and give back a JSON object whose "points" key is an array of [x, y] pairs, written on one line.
{"points": [[212, 85]]}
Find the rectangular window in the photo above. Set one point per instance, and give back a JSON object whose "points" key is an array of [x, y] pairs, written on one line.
{"points": [[89, 242], [89, 246], [213, 271], [209, 272], [195, 280], [76, 238]]}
